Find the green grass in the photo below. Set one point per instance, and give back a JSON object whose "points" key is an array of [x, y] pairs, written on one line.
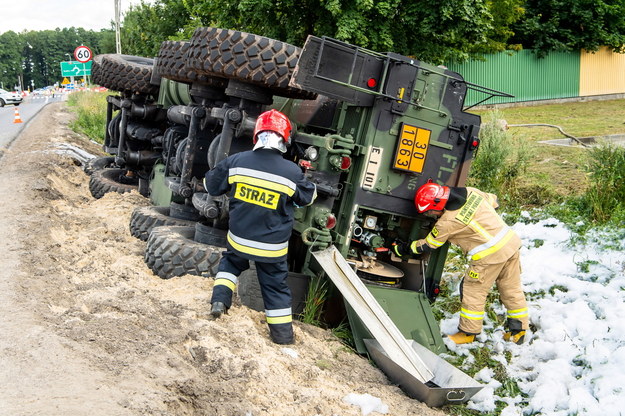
{"points": [[91, 110], [555, 173], [572, 183], [315, 299], [580, 119]]}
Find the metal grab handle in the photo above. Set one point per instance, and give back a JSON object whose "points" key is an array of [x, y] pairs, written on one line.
{"points": [[322, 237], [341, 145], [460, 392]]}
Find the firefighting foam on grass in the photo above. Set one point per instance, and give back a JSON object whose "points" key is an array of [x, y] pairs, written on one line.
{"points": [[571, 363]]}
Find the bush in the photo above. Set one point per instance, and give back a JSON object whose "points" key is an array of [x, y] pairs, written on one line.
{"points": [[91, 110], [604, 199], [500, 161]]}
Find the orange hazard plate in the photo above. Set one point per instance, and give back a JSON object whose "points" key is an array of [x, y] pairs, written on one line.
{"points": [[412, 148]]}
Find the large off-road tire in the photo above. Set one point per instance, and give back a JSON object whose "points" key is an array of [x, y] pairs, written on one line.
{"points": [[170, 63], [184, 212], [249, 291], [111, 180], [245, 57], [98, 163], [144, 219], [113, 132], [171, 251], [124, 73]]}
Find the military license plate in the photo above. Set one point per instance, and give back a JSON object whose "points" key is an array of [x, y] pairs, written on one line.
{"points": [[412, 148]]}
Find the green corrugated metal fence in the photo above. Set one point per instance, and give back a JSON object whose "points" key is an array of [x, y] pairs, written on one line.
{"points": [[523, 75]]}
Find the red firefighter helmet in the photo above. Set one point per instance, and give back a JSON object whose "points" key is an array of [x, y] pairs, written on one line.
{"points": [[272, 121], [431, 196]]}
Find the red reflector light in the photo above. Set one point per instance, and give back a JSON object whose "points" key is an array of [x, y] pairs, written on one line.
{"points": [[331, 221], [437, 291], [474, 144], [346, 162], [372, 82]]}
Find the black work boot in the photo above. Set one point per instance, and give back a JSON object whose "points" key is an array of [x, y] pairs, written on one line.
{"points": [[515, 332], [282, 333], [218, 309]]}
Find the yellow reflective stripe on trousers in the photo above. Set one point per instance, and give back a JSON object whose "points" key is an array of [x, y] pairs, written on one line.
{"points": [[226, 279], [474, 315], [256, 248], [225, 282], [279, 316], [518, 313], [491, 246], [279, 319]]}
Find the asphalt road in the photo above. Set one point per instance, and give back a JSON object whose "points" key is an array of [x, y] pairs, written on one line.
{"points": [[27, 110]]}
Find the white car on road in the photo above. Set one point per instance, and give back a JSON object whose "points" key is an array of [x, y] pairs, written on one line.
{"points": [[7, 97]]}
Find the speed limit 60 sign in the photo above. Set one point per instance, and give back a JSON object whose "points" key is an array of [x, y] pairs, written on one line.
{"points": [[83, 54]]}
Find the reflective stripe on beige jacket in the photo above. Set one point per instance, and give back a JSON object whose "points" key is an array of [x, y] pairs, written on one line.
{"points": [[476, 228]]}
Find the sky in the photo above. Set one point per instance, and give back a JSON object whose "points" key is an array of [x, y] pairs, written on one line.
{"points": [[19, 15], [572, 364]]}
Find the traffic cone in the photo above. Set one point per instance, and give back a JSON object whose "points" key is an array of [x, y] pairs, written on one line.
{"points": [[17, 116]]}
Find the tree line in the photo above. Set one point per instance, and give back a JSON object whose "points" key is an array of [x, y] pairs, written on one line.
{"points": [[435, 31], [32, 58]]}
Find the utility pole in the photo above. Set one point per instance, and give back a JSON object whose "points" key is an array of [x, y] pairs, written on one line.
{"points": [[118, 43]]}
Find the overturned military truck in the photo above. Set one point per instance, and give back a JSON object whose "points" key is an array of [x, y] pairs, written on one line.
{"points": [[370, 129]]}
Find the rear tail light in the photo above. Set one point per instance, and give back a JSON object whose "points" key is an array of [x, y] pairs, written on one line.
{"points": [[331, 221], [474, 144], [346, 162]]}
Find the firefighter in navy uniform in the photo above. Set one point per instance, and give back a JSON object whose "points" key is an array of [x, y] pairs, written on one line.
{"points": [[466, 217], [263, 189]]}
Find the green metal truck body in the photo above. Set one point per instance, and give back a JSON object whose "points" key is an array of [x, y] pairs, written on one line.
{"points": [[370, 129]]}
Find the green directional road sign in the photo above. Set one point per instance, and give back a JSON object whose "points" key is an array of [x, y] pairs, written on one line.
{"points": [[75, 68]]}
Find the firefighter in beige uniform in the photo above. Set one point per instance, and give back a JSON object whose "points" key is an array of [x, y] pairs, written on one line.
{"points": [[467, 218]]}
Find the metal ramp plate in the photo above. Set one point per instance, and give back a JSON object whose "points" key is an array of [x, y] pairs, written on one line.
{"points": [[372, 315], [449, 385]]}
